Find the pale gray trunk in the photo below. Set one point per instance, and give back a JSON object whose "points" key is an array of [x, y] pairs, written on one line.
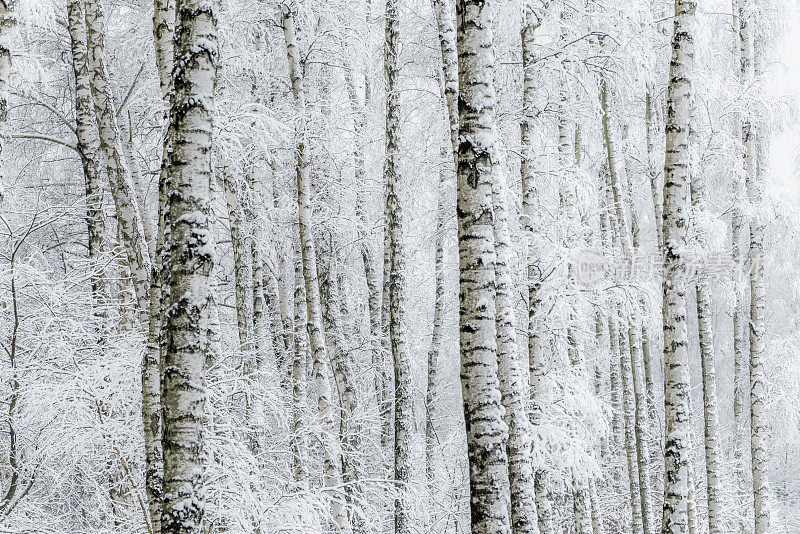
{"points": [[122, 189], [299, 374], [483, 412], [403, 401], [6, 25], [513, 384], [676, 355], [316, 335], [759, 441], [705, 310], [629, 413], [88, 147], [189, 244], [537, 361], [741, 415], [242, 271]]}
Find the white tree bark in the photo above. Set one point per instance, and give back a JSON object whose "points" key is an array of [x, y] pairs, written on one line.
{"points": [[513, 384], [403, 401], [190, 247], [88, 147], [6, 25], [676, 356], [299, 373], [122, 190], [316, 335], [483, 413], [741, 415], [755, 192]]}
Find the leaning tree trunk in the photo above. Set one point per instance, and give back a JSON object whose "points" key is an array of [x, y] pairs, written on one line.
{"points": [[758, 417], [483, 413], [191, 253], [676, 353], [316, 335], [403, 401], [513, 384], [447, 46], [122, 190]]}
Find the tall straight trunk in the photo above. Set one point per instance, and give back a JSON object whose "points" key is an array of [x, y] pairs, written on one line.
{"points": [[122, 190], [741, 415], [190, 247], [652, 172], [299, 373], [483, 412], [6, 25], [242, 270], [432, 389], [88, 146], [704, 309], [532, 19], [445, 25], [758, 416], [403, 401], [513, 384], [629, 413], [367, 254], [163, 23], [316, 334], [163, 26], [632, 357], [676, 354], [349, 427]]}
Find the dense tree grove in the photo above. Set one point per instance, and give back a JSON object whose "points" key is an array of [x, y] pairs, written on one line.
{"points": [[441, 266]]}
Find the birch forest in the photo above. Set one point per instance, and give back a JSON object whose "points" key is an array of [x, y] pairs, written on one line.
{"points": [[400, 266]]}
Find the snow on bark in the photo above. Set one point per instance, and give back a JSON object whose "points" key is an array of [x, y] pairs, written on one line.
{"points": [[445, 25], [741, 415], [316, 334], [190, 247], [758, 299], [483, 412], [299, 373], [122, 189], [6, 25], [403, 400], [88, 147], [676, 356], [513, 384]]}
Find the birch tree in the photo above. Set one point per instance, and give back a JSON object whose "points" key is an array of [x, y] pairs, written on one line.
{"points": [[486, 431], [191, 257], [314, 327], [676, 356]]}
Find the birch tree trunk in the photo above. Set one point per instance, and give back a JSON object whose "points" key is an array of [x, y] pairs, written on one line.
{"points": [[6, 25], [758, 415], [242, 270], [676, 356], [513, 385], [629, 415], [432, 389], [532, 19], [445, 25], [316, 335], [403, 401], [741, 415], [88, 147], [704, 309], [190, 247], [299, 373], [122, 190], [483, 414]]}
